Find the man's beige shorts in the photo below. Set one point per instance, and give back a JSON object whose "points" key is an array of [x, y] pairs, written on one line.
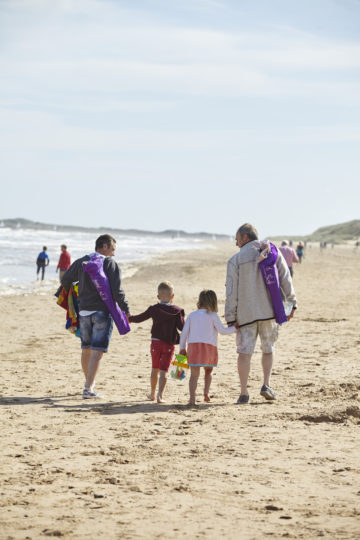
{"points": [[247, 335]]}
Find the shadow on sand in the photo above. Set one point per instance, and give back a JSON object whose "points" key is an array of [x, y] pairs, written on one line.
{"points": [[27, 400], [119, 407]]}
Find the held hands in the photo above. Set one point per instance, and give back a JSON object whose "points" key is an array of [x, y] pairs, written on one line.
{"points": [[234, 323], [183, 352]]}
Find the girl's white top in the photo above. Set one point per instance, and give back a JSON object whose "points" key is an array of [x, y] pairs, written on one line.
{"points": [[202, 326]]}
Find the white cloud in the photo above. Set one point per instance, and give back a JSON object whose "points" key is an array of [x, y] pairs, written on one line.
{"points": [[67, 52]]}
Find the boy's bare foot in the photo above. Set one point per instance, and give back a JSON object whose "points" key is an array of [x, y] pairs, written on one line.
{"points": [[207, 398], [191, 403], [150, 397], [160, 399]]}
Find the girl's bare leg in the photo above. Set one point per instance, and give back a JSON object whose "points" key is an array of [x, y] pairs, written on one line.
{"points": [[153, 383], [194, 377], [207, 383]]}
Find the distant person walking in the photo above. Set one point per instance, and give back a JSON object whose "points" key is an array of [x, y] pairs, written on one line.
{"points": [[64, 261], [289, 255], [300, 251], [42, 261], [96, 323], [248, 304]]}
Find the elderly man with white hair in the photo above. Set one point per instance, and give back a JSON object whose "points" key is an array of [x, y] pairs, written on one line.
{"points": [[249, 306]]}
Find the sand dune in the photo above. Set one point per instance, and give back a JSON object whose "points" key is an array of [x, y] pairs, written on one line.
{"points": [[128, 468]]}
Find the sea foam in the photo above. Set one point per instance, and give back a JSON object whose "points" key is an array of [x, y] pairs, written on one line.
{"points": [[19, 249]]}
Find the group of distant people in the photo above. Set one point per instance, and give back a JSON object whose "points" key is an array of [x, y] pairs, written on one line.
{"points": [[43, 261], [248, 313]]}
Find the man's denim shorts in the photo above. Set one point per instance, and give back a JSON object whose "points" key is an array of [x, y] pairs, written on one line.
{"points": [[96, 330]]}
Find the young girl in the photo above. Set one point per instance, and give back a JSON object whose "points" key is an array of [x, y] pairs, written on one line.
{"points": [[200, 332]]}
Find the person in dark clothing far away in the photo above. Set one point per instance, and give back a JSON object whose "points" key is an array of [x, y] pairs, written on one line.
{"points": [[42, 261]]}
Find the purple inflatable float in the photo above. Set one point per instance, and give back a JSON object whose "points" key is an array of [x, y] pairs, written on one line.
{"points": [[267, 263], [95, 268]]}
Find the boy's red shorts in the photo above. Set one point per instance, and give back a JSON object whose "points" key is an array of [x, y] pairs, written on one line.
{"points": [[161, 354]]}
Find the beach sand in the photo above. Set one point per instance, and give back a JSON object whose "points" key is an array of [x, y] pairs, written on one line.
{"points": [[127, 468]]}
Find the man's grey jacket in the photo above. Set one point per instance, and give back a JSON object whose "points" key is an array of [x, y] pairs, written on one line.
{"points": [[247, 297]]}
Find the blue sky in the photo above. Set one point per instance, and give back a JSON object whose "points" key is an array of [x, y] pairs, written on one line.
{"points": [[195, 114]]}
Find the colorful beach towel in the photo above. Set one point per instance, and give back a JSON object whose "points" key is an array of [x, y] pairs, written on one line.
{"points": [[68, 301]]}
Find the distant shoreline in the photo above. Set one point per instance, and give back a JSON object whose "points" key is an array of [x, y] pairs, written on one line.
{"points": [[20, 223], [332, 234]]}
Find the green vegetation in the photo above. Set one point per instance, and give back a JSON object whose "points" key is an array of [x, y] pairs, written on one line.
{"points": [[338, 233], [333, 234]]}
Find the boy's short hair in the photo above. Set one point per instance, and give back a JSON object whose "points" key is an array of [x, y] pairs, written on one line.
{"points": [[208, 300], [166, 286]]}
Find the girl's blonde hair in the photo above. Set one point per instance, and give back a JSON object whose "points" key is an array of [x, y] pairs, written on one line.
{"points": [[207, 300]]}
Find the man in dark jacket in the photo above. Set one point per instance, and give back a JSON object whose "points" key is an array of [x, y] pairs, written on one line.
{"points": [[96, 323]]}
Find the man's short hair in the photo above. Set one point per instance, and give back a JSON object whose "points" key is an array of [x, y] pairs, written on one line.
{"points": [[166, 286], [106, 239], [64, 246], [284, 243], [249, 230]]}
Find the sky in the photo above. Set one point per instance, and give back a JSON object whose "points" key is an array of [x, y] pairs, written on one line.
{"points": [[197, 115]]}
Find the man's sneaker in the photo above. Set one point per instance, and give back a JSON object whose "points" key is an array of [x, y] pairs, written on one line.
{"points": [[91, 394], [267, 392], [243, 399]]}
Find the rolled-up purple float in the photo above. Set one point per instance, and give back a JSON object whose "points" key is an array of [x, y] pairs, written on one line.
{"points": [[271, 279], [95, 268]]}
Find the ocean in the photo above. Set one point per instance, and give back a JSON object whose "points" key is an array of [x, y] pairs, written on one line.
{"points": [[20, 247]]}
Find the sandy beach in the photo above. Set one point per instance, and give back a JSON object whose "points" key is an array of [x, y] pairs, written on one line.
{"points": [[127, 468]]}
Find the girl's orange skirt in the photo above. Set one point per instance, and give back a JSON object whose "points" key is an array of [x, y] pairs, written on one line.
{"points": [[202, 355]]}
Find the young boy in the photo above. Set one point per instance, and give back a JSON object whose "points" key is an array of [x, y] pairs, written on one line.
{"points": [[167, 320]]}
